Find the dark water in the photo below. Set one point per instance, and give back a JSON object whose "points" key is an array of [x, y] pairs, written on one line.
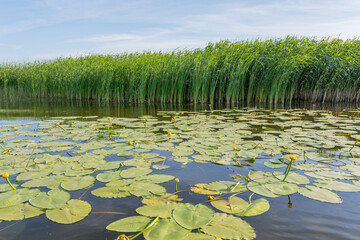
{"points": [[307, 219]]}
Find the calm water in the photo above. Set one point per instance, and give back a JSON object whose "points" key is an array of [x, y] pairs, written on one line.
{"points": [[307, 219]]}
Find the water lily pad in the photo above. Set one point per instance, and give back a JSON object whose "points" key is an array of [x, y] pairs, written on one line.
{"points": [[274, 165], [197, 236], [15, 197], [134, 172], [320, 194], [261, 189], [199, 188], [229, 227], [77, 183], [111, 192], [160, 209], [130, 224], [166, 229], [146, 190], [167, 197], [52, 199], [4, 187], [257, 207], [231, 205], [108, 176], [292, 177], [51, 180], [33, 174], [192, 216], [73, 211], [282, 188], [19, 212], [337, 185]]}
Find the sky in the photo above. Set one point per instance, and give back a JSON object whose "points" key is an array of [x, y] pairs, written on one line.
{"points": [[37, 30]]}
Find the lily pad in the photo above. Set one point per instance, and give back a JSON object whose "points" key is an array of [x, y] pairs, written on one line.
{"points": [[77, 183], [160, 209], [111, 192], [73, 211], [134, 172], [146, 190], [52, 199], [166, 229], [130, 224], [282, 188], [229, 227], [192, 216], [19, 212], [108, 176], [320, 194], [15, 197], [261, 189]]}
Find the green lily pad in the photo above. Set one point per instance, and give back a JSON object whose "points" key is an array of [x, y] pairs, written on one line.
{"points": [[160, 209], [167, 197], [192, 216], [52, 199], [108, 176], [337, 185], [146, 190], [33, 174], [73, 211], [4, 187], [19, 212], [261, 189], [274, 165], [134, 172], [77, 183], [15, 197], [111, 192], [199, 188], [130, 224], [257, 207], [292, 177], [232, 205], [166, 229], [320, 194], [229, 227], [197, 236], [282, 188]]}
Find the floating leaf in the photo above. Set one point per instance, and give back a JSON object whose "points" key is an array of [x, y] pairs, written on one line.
{"points": [[167, 197], [320, 194], [229, 227], [161, 209], [292, 177], [6, 187], [166, 229], [199, 188], [19, 212], [337, 185], [111, 192], [52, 199], [134, 172], [231, 205], [282, 188], [33, 174], [15, 197], [274, 165], [77, 183], [146, 190], [130, 224], [257, 207], [197, 236], [259, 188], [192, 216], [73, 211], [108, 176]]}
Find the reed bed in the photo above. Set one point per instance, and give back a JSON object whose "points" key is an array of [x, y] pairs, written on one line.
{"points": [[273, 71]]}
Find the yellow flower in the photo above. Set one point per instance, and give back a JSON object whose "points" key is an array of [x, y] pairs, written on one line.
{"points": [[218, 238], [108, 118], [357, 138], [177, 180], [130, 143], [237, 155], [234, 148], [15, 128], [4, 142], [122, 237], [210, 197], [57, 124], [282, 127], [169, 134], [182, 113], [293, 157], [5, 175]]}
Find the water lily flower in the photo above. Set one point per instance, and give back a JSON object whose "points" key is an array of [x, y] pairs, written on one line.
{"points": [[130, 143], [6, 176], [169, 134]]}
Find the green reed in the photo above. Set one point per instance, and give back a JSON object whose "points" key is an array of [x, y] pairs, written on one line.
{"points": [[274, 70]]}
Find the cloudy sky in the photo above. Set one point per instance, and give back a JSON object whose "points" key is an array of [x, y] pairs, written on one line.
{"points": [[45, 29]]}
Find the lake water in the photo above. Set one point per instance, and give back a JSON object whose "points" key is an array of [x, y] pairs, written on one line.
{"points": [[259, 134]]}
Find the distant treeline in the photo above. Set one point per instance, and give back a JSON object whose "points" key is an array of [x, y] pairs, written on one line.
{"points": [[275, 70]]}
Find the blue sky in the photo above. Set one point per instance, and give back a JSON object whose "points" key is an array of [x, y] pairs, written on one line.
{"points": [[45, 29]]}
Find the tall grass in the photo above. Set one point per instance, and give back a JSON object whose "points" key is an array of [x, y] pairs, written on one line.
{"points": [[275, 70]]}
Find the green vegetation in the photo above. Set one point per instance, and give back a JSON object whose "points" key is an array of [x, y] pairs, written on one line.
{"points": [[275, 70]]}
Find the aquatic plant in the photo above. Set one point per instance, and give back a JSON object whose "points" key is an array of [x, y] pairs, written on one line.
{"points": [[273, 70]]}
